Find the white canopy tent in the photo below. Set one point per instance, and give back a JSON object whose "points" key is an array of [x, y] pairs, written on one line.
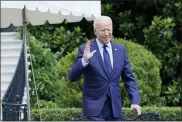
{"points": [[20, 13], [37, 12]]}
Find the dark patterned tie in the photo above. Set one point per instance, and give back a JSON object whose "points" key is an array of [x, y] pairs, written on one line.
{"points": [[107, 61]]}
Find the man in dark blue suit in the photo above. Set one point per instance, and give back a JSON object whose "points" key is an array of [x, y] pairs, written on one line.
{"points": [[102, 62]]}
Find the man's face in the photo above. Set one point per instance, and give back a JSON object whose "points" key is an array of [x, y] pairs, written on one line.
{"points": [[103, 31]]}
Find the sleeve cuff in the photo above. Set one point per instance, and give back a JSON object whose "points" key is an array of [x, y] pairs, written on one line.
{"points": [[84, 63]]}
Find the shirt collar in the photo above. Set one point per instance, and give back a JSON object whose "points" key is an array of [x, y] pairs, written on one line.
{"points": [[100, 45]]}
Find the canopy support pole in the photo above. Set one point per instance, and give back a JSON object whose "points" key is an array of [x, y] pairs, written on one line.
{"points": [[26, 60]]}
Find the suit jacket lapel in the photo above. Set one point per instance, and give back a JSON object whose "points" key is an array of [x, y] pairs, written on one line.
{"points": [[94, 46]]}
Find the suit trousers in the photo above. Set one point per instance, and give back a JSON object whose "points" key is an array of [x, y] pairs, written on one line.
{"points": [[106, 113]]}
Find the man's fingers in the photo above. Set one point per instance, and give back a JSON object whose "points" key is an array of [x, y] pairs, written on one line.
{"points": [[139, 112], [136, 109], [87, 47], [94, 51]]}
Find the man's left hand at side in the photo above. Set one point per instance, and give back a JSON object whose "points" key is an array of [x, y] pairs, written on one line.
{"points": [[136, 108]]}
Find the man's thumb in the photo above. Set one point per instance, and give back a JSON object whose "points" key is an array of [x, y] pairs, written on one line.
{"points": [[94, 51]]}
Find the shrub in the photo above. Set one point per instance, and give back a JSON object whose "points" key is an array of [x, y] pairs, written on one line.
{"points": [[45, 104], [44, 65], [145, 67], [69, 94], [66, 114], [160, 40], [58, 37]]}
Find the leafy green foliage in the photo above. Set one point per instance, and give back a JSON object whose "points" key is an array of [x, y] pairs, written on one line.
{"points": [[58, 38], [73, 90], [172, 92], [65, 63], [43, 104], [126, 25], [171, 8], [69, 94], [44, 65], [66, 114], [159, 39], [145, 67], [65, 41]]}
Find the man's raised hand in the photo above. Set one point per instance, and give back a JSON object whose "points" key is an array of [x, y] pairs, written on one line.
{"points": [[87, 54]]}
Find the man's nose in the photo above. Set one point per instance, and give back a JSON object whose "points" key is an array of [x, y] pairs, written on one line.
{"points": [[106, 33]]}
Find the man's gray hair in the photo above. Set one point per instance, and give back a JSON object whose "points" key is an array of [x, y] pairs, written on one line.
{"points": [[101, 18]]}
